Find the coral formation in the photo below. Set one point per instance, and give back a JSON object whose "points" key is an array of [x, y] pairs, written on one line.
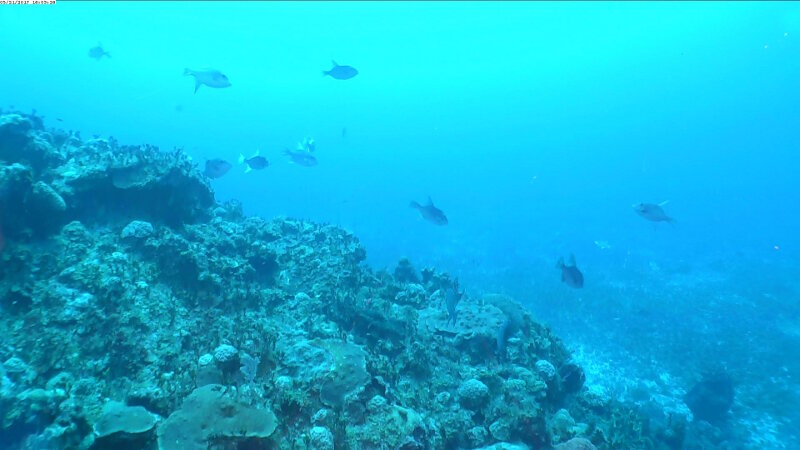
{"points": [[143, 290]]}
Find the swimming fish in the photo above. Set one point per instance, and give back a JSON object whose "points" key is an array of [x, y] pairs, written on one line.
{"points": [[307, 145], [570, 273], [602, 245], [216, 168], [301, 157], [451, 299], [341, 72], [209, 77], [430, 212], [255, 162], [653, 212], [97, 52]]}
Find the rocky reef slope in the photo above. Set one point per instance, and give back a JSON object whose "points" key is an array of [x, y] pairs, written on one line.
{"points": [[137, 312]]}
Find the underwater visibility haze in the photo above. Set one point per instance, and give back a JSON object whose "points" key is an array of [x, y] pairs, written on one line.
{"points": [[400, 225]]}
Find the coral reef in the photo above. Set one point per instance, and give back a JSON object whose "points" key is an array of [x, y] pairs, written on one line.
{"points": [[129, 283]]}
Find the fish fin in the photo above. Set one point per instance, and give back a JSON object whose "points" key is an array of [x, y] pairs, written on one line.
{"points": [[430, 201], [572, 260], [258, 153], [664, 203], [334, 63], [196, 85], [241, 158], [248, 170], [186, 71], [414, 205], [106, 54]]}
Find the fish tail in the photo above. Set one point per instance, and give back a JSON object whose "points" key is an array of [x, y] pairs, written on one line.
{"points": [[241, 158], [560, 264], [414, 205], [186, 72]]}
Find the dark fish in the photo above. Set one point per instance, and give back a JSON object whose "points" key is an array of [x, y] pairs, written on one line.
{"points": [[509, 327], [711, 398], [570, 273], [216, 168], [255, 162], [303, 158], [653, 212], [430, 212], [341, 72], [451, 299], [97, 52]]}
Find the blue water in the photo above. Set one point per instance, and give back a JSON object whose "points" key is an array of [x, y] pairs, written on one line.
{"points": [[534, 126]]}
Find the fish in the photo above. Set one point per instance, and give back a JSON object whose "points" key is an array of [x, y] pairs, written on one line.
{"points": [[302, 158], [216, 168], [209, 77], [307, 145], [97, 52], [570, 273], [509, 327], [430, 212], [602, 245], [255, 162], [451, 299], [653, 212], [711, 398], [340, 72]]}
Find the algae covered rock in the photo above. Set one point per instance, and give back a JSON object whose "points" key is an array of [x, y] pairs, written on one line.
{"points": [[348, 376], [213, 412], [121, 423], [137, 230], [473, 394]]}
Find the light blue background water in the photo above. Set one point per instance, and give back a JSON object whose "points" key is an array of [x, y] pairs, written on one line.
{"points": [[534, 126]]}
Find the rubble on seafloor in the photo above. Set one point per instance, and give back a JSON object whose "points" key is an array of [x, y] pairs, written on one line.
{"points": [[137, 312]]}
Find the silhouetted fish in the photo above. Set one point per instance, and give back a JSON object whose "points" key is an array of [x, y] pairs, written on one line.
{"points": [[430, 212], [303, 158], [341, 72], [255, 162], [97, 52], [570, 273], [451, 299], [653, 212], [216, 168], [711, 398], [209, 77]]}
